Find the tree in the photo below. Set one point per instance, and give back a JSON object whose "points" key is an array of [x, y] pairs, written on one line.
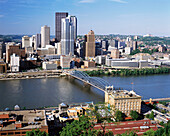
{"points": [[119, 116], [150, 132], [151, 116], [78, 127], [36, 133], [134, 115]]}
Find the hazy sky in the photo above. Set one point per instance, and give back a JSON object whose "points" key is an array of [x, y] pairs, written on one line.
{"points": [[102, 16]]}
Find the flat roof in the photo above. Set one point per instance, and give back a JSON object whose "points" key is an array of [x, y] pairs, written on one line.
{"points": [[27, 117]]}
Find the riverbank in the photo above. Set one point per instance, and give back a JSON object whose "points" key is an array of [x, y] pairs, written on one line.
{"points": [[129, 72], [30, 75]]}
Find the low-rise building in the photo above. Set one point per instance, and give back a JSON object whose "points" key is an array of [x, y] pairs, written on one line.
{"points": [[17, 123], [49, 65], [124, 101], [65, 61], [89, 64]]}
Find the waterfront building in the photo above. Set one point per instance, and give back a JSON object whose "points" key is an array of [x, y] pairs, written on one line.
{"points": [[68, 34], [65, 61], [38, 40], [115, 54], [100, 59], [124, 64], [14, 63], [89, 46], [17, 123], [45, 36], [25, 41], [12, 48], [89, 64], [3, 67], [124, 101], [58, 17], [50, 65]]}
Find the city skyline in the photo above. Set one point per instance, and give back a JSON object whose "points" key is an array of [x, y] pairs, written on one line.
{"points": [[104, 17]]}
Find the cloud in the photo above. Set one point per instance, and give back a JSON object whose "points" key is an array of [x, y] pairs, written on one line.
{"points": [[86, 1], [119, 1], [1, 16]]}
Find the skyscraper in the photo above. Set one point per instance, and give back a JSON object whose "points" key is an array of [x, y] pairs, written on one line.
{"points": [[58, 17], [38, 40], [68, 34], [90, 45], [45, 36], [25, 41]]}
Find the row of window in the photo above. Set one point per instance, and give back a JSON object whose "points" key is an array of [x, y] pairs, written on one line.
{"points": [[12, 133]]}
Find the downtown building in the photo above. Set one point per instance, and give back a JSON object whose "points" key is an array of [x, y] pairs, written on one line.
{"points": [[58, 17], [68, 35], [45, 36], [89, 45]]}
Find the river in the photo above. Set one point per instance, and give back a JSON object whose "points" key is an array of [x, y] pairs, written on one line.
{"points": [[35, 93]]}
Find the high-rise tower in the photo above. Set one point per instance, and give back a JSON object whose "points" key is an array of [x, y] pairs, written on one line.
{"points": [[45, 36], [58, 17], [90, 45], [68, 34]]}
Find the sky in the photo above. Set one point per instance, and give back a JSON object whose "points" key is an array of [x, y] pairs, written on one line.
{"points": [[131, 17]]}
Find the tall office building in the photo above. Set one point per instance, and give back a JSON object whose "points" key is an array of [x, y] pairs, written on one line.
{"points": [[73, 21], [89, 47], [68, 35], [38, 40], [45, 36], [58, 17], [25, 41]]}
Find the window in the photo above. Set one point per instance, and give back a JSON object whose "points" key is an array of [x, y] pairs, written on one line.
{"points": [[10, 133], [3, 133]]}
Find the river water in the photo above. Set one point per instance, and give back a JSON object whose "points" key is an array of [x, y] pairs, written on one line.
{"points": [[35, 93]]}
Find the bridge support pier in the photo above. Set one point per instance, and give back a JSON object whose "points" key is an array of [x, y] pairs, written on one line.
{"points": [[86, 85]]}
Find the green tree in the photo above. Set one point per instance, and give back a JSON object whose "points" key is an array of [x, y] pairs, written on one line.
{"points": [[119, 116], [150, 132], [134, 115], [151, 116], [36, 133], [78, 127]]}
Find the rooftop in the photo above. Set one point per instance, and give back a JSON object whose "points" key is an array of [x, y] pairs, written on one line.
{"points": [[27, 118], [123, 94]]}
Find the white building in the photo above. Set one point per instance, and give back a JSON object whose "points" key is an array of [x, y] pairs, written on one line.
{"points": [[58, 47], [14, 63], [65, 61], [45, 36], [128, 50], [33, 42], [25, 41], [68, 34], [49, 65]]}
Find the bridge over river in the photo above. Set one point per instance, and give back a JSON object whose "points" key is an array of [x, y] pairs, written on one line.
{"points": [[96, 82]]}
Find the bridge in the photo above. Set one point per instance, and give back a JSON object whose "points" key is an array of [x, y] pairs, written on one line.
{"points": [[96, 82], [158, 99]]}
